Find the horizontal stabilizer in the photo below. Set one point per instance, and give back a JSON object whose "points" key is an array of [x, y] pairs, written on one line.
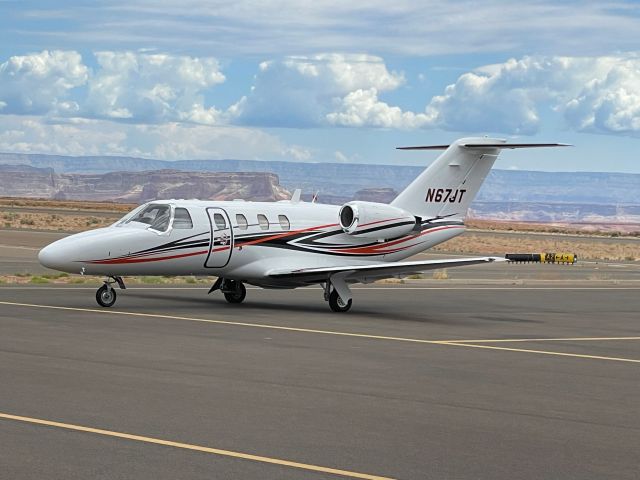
{"points": [[425, 147], [487, 145]]}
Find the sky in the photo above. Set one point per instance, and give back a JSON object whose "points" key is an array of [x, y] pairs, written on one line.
{"points": [[322, 81]]}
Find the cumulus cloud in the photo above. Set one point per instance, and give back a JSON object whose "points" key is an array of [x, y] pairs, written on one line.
{"points": [[148, 104], [153, 88], [40, 83], [609, 103], [299, 91], [129, 86], [593, 93], [362, 108]]}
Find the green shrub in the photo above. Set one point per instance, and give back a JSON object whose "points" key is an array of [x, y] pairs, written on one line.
{"points": [[38, 280], [152, 280]]}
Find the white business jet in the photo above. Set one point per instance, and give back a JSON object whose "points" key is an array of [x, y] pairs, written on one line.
{"points": [[290, 243]]}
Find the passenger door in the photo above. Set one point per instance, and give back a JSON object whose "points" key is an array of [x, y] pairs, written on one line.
{"points": [[221, 238]]}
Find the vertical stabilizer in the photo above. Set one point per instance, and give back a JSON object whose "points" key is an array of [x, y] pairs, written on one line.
{"points": [[448, 186]]}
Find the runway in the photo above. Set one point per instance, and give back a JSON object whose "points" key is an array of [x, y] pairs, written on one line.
{"points": [[443, 380]]}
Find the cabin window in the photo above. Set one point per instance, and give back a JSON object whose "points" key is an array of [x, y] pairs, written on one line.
{"points": [[241, 220], [220, 221], [284, 222], [182, 219], [263, 221], [156, 216]]}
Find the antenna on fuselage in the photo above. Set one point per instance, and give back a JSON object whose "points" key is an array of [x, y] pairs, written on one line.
{"points": [[295, 198]]}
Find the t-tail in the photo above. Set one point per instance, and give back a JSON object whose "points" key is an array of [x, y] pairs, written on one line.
{"points": [[447, 187]]}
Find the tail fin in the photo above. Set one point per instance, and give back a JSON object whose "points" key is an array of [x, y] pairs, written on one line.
{"points": [[447, 187]]}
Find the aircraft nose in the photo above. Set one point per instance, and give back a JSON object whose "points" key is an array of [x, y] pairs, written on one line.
{"points": [[48, 257]]}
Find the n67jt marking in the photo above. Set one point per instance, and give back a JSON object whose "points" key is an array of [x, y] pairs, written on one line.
{"points": [[443, 195]]}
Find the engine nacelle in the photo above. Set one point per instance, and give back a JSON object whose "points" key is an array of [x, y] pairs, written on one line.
{"points": [[375, 220]]}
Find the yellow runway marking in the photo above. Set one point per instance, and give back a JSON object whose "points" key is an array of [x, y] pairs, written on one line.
{"points": [[197, 448], [544, 352], [228, 322], [567, 339], [455, 342]]}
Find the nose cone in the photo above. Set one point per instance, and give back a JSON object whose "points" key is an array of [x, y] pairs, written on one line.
{"points": [[53, 256], [67, 254]]}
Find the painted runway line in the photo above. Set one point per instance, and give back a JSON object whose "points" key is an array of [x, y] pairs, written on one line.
{"points": [[188, 446], [544, 352], [564, 339], [450, 342]]}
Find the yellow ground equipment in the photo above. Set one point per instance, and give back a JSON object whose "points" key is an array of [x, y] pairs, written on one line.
{"points": [[564, 258]]}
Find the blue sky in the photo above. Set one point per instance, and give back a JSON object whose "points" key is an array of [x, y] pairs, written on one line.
{"points": [[321, 81]]}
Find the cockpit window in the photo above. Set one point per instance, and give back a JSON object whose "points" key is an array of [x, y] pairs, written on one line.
{"points": [[182, 219], [156, 216]]}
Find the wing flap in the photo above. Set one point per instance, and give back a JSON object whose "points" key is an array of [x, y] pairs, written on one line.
{"points": [[376, 271]]}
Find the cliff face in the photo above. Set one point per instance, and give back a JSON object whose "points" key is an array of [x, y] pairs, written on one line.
{"points": [[513, 195], [138, 187], [340, 181]]}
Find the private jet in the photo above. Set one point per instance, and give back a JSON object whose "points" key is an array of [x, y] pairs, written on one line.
{"points": [[290, 243]]}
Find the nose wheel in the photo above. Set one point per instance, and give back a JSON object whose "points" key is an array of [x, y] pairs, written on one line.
{"points": [[106, 294]]}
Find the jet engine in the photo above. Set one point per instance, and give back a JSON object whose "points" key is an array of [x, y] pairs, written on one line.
{"points": [[376, 220]]}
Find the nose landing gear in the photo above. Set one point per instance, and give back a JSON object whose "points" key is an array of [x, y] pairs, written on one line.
{"points": [[106, 294]]}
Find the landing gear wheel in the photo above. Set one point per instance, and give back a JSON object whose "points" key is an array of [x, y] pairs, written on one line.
{"points": [[336, 303], [236, 292], [106, 296]]}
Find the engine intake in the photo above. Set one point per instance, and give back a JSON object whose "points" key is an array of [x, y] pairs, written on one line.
{"points": [[375, 220]]}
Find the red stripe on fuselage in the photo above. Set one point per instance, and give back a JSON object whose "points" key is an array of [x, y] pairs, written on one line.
{"points": [[117, 261], [282, 235], [382, 247], [378, 221]]}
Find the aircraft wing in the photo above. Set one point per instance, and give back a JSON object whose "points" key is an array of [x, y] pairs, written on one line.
{"points": [[370, 272]]}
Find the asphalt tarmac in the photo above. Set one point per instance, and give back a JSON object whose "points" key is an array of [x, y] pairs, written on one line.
{"points": [[445, 381]]}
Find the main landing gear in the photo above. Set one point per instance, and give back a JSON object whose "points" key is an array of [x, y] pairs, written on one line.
{"points": [[106, 294], [337, 293], [337, 304], [234, 291]]}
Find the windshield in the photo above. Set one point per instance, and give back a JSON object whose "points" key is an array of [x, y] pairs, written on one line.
{"points": [[154, 215]]}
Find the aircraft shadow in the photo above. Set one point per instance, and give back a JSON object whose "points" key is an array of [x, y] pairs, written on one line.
{"points": [[360, 312]]}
